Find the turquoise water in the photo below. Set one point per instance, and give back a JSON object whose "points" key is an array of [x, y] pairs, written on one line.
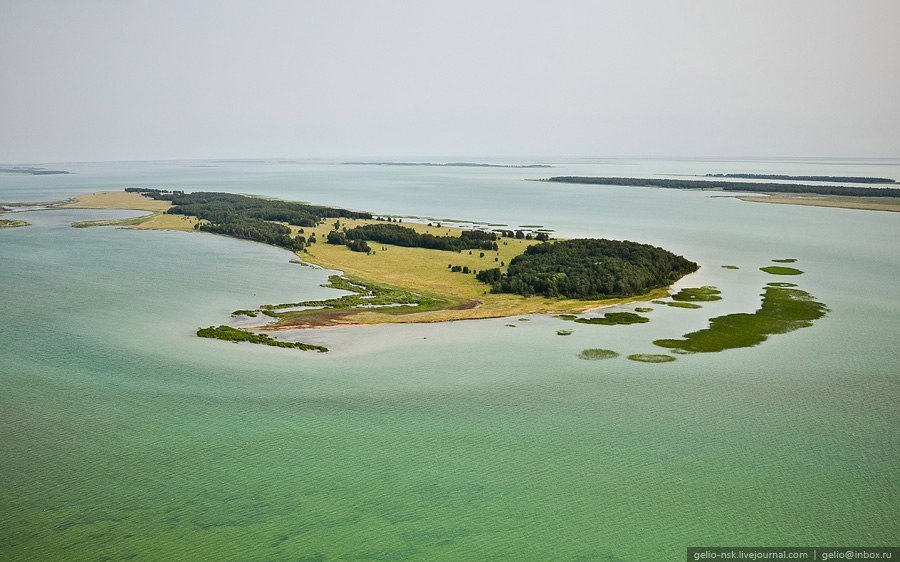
{"points": [[124, 436]]}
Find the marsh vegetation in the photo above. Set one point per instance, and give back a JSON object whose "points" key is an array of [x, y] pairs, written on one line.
{"points": [[780, 270], [227, 333], [651, 358], [596, 353], [783, 310]]}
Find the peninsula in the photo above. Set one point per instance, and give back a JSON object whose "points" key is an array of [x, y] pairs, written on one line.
{"points": [[404, 272], [850, 197]]}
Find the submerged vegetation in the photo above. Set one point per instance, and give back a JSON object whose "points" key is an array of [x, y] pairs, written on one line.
{"points": [[9, 223], [851, 191], [608, 319], [589, 268], [235, 335], [783, 310], [594, 354], [681, 304], [563, 332], [651, 358], [781, 270]]}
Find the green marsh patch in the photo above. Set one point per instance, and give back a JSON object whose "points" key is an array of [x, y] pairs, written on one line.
{"points": [[783, 310], [730, 267], [785, 260], [227, 333], [595, 354], [695, 294], [651, 358], [608, 319], [563, 332], [781, 270], [9, 223], [781, 284], [643, 309]]}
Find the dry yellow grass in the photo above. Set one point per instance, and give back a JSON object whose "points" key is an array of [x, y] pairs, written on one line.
{"points": [[115, 200], [156, 220], [159, 221], [842, 202]]}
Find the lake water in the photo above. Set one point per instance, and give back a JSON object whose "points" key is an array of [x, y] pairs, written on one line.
{"points": [[124, 436]]}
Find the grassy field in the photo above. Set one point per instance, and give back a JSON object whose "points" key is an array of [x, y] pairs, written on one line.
{"points": [[426, 272], [417, 270], [115, 200]]}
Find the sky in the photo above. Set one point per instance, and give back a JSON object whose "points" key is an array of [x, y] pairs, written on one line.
{"points": [[99, 80]]}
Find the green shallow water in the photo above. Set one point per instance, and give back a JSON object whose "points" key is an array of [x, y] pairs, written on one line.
{"points": [[123, 436]]}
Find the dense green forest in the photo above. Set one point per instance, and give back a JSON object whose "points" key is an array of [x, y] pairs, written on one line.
{"points": [[589, 268], [735, 186], [403, 236], [848, 179], [246, 217]]}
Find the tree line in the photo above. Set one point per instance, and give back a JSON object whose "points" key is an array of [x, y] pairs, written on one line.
{"points": [[407, 237], [848, 179], [246, 217], [588, 269], [846, 190]]}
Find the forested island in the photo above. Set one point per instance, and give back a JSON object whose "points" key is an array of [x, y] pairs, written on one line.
{"points": [[447, 164], [767, 187], [848, 179], [410, 272]]}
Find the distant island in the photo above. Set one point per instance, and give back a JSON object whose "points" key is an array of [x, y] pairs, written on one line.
{"points": [[447, 164], [767, 187], [32, 171], [848, 179]]}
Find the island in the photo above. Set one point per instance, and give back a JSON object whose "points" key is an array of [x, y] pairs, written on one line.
{"points": [[447, 164], [395, 271], [32, 171], [851, 197], [10, 223]]}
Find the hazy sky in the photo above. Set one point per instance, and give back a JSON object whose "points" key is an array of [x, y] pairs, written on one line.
{"points": [[141, 80]]}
